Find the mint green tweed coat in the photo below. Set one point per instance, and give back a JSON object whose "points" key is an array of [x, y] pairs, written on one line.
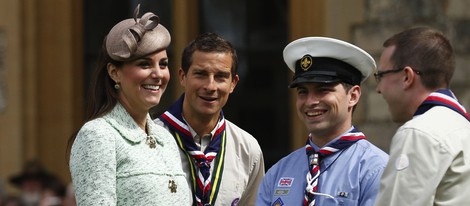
{"points": [[111, 164]]}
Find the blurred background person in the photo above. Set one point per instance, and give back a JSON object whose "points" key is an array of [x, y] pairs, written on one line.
{"points": [[11, 201], [34, 182], [69, 199], [53, 193]]}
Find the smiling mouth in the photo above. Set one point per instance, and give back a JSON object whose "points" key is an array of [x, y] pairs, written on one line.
{"points": [[151, 87], [315, 113], [209, 99]]}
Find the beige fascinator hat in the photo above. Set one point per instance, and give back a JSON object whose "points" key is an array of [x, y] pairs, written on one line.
{"points": [[133, 38]]}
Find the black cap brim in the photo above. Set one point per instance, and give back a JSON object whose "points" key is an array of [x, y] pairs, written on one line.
{"points": [[314, 79]]}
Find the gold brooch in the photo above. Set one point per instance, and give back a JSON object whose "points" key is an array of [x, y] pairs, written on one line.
{"points": [[151, 142], [172, 186]]}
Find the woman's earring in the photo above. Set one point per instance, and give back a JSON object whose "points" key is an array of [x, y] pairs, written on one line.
{"points": [[116, 86]]}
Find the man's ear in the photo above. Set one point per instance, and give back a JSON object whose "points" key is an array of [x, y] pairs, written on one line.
{"points": [[182, 77], [409, 78], [234, 82], [355, 95]]}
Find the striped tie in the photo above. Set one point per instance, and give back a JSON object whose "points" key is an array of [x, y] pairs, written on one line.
{"points": [[205, 185], [203, 162], [312, 176], [315, 158]]}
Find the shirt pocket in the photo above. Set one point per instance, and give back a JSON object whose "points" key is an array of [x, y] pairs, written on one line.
{"points": [[338, 201]]}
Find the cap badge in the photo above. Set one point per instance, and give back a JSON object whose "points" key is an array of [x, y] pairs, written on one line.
{"points": [[306, 62]]}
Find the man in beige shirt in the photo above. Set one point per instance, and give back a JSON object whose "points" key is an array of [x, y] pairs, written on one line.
{"points": [[429, 155], [224, 164]]}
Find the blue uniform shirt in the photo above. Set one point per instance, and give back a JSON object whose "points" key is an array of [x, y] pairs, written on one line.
{"points": [[351, 176]]}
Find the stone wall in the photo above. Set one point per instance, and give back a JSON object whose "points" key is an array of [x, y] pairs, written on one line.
{"points": [[383, 18]]}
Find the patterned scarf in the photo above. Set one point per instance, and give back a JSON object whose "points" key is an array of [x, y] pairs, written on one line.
{"points": [[315, 158], [205, 184], [442, 97]]}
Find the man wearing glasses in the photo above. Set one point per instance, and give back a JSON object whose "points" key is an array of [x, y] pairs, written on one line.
{"points": [[337, 166], [429, 154]]}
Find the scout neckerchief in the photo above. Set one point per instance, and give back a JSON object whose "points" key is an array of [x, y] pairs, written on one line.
{"points": [[315, 158], [205, 184], [442, 97]]}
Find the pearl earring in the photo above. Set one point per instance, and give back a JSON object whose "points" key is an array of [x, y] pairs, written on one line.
{"points": [[116, 86]]}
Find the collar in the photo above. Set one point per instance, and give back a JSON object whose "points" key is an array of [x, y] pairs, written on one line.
{"points": [[193, 132], [122, 121], [329, 143]]}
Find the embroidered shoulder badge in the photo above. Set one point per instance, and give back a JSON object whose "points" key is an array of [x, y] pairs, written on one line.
{"points": [[285, 182], [278, 202]]}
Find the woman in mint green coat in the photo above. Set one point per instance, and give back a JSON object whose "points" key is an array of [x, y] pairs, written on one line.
{"points": [[119, 156]]}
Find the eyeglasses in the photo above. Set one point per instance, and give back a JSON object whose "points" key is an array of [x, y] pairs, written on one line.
{"points": [[378, 75]]}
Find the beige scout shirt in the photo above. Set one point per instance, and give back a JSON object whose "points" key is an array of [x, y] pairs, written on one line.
{"points": [[243, 167], [429, 162]]}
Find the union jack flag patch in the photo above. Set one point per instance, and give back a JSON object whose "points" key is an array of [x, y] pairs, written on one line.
{"points": [[285, 182]]}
